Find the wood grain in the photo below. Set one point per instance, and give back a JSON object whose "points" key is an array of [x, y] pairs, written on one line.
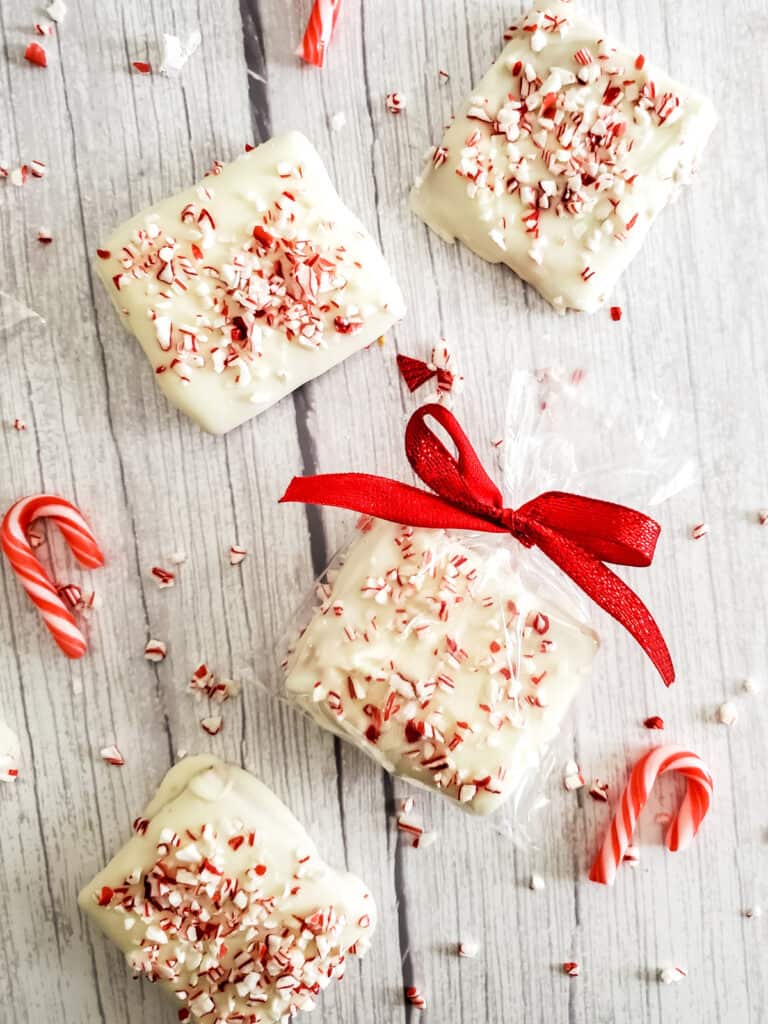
{"points": [[99, 433]]}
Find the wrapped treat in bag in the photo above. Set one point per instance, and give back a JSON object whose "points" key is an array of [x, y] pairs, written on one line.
{"points": [[443, 643]]}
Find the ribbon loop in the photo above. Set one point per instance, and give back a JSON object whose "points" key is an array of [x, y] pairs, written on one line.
{"points": [[577, 533]]}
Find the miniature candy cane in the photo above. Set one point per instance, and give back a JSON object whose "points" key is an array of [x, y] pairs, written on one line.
{"points": [[320, 27], [42, 592], [684, 825]]}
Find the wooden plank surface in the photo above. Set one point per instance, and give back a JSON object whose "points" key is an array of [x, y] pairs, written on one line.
{"points": [[98, 432]]}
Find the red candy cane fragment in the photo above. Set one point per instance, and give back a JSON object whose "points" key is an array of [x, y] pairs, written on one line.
{"points": [[685, 824], [319, 31], [42, 592]]}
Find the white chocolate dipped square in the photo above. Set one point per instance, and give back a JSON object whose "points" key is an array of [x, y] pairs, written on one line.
{"points": [[563, 156], [222, 898], [246, 286], [430, 654]]}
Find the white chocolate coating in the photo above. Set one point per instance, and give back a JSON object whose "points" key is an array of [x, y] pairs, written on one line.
{"points": [[562, 158], [430, 654], [223, 899], [232, 321]]}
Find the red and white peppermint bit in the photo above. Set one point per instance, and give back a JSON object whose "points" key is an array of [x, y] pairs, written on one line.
{"points": [[164, 577], [176, 53], [670, 975], [112, 756], [616, 313], [212, 725], [750, 686], [415, 997], [36, 54], [237, 554], [57, 11], [9, 755], [44, 28], [599, 791], [654, 722], [177, 558], [571, 968], [699, 530], [684, 825], [155, 650], [41, 591], [726, 713], [468, 949], [71, 595], [573, 777], [338, 121], [35, 539], [395, 102], [762, 517], [142, 66], [18, 175], [319, 32], [37, 169], [44, 236], [19, 424]]}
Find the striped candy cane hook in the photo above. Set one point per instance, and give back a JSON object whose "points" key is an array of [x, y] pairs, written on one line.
{"points": [[684, 825], [41, 591]]}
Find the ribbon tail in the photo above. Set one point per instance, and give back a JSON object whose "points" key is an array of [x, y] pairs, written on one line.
{"points": [[385, 499], [611, 593]]}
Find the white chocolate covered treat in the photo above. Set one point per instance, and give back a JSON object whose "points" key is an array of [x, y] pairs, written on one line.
{"points": [[248, 285], [563, 156], [429, 653], [222, 898]]}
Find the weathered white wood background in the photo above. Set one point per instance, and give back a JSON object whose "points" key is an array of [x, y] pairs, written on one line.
{"points": [[151, 483]]}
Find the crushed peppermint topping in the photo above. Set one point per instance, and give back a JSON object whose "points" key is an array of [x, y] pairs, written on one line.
{"points": [[112, 756], [338, 121], [164, 577], [469, 949], [395, 102], [142, 66], [176, 53], [573, 777], [204, 683], [44, 236], [726, 713], [155, 650], [699, 530], [654, 722], [599, 791], [762, 517], [212, 724], [9, 755], [36, 54], [536, 883], [415, 997], [19, 424], [670, 975], [571, 968], [57, 11], [237, 554], [229, 941]]}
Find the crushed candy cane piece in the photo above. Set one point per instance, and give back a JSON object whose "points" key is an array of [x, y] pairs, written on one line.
{"points": [[155, 650], [36, 54], [571, 968], [212, 725], [762, 517], [175, 54], [669, 975], [37, 169], [395, 102], [406, 805], [237, 554], [9, 754], [165, 578], [750, 686], [415, 997], [573, 778], [57, 11], [44, 236], [726, 714], [19, 424], [142, 66], [599, 791], [18, 175], [338, 121], [44, 28], [469, 949], [177, 558], [112, 756], [699, 530], [616, 314], [536, 883], [654, 722]]}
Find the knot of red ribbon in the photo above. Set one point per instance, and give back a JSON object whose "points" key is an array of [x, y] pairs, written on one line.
{"points": [[578, 534]]}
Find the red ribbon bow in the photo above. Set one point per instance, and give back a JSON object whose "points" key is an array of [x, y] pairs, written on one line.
{"points": [[578, 534]]}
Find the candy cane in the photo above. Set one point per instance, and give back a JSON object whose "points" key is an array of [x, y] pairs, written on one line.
{"points": [[684, 825], [77, 533], [320, 27]]}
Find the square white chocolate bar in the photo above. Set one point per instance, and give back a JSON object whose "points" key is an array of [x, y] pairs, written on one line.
{"points": [[430, 654], [246, 286], [222, 898], [563, 156]]}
